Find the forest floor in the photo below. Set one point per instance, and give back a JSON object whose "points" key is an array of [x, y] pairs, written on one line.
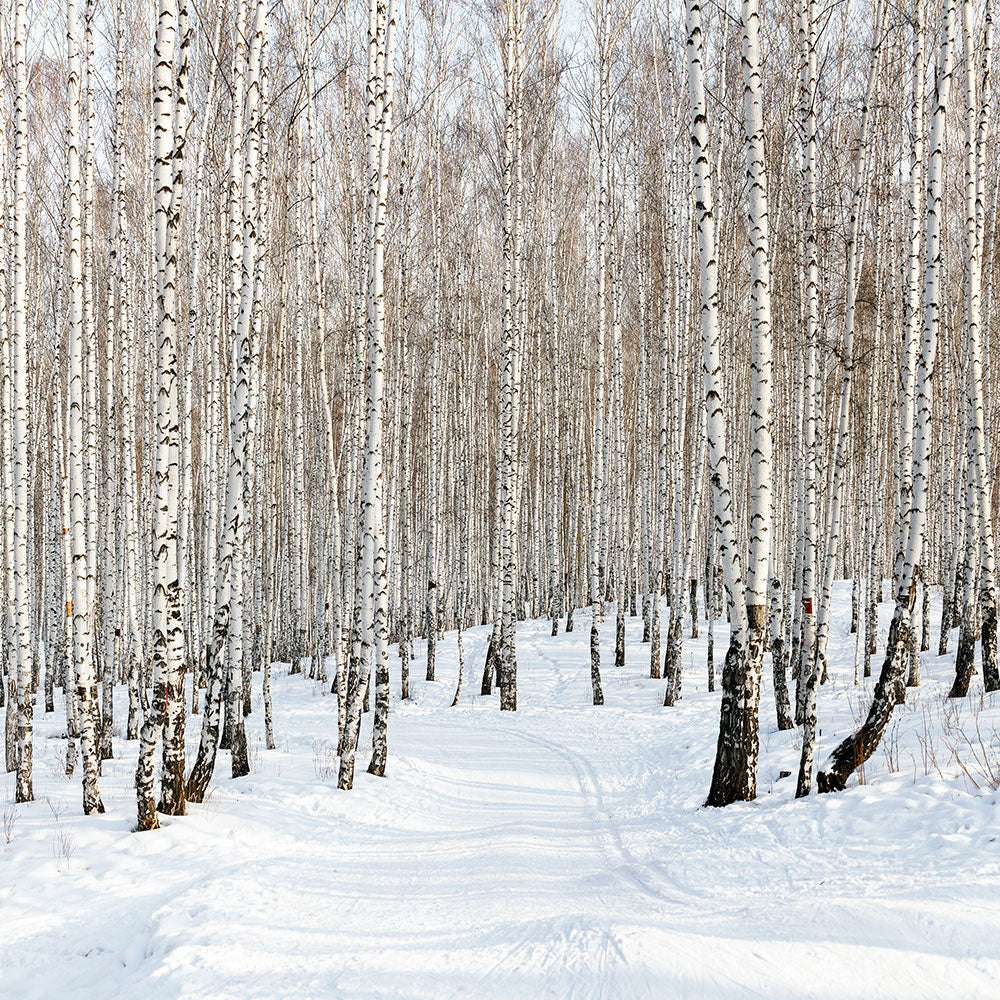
{"points": [[562, 851]]}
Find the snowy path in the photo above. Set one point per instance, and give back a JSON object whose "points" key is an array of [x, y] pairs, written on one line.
{"points": [[557, 852]]}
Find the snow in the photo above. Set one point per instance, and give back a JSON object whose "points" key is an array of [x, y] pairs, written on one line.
{"points": [[562, 851]]}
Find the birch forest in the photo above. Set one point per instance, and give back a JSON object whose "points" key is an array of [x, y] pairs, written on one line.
{"points": [[552, 420]]}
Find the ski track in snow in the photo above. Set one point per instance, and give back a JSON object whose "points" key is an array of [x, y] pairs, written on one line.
{"points": [[560, 851]]}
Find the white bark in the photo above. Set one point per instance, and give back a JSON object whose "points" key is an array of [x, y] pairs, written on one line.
{"points": [[86, 678]]}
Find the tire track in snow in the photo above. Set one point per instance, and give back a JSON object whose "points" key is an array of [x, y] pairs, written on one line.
{"points": [[621, 860], [652, 882]]}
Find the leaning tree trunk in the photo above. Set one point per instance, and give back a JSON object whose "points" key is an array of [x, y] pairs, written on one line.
{"points": [[227, 622], [890, 689]]}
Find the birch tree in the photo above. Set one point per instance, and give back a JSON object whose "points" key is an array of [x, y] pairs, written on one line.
{"points": [[83, 659], [22, 510], [734, 776], [852, 752], [168, 639], [371, 644]]}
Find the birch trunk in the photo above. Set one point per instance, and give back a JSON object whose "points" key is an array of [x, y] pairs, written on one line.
{"points": [[84, 669], [734, 777], [22, 505], [852, 752]]}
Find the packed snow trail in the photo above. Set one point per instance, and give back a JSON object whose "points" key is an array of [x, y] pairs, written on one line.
{"points": [[560, 851]]}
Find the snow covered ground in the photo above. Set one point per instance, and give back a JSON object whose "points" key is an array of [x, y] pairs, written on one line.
{"points": [[561, 851]]}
